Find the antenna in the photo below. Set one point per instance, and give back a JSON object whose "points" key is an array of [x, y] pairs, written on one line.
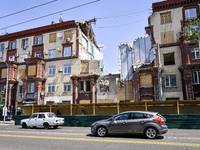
{"points": [[93, 20]]}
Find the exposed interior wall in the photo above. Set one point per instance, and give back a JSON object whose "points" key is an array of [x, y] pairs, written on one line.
{"points": [[126, 91]]}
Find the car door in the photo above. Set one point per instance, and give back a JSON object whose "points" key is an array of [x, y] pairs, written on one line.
{"points": [[119, 123], [41, 119], [32, 121], [136, 123]]}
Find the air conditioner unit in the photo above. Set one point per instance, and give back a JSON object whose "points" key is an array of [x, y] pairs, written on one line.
{"points": [[17, 55], [67, 40], [60, 70], [46, 53]]}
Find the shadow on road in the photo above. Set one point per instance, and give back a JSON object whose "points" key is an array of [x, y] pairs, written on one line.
{"points": [[125, 136]]}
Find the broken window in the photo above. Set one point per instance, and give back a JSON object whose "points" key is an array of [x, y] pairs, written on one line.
{"points": [[52, 37], [104, 85], [196, 77], [146, 80], [165, 17], [84, 86], [169, 59]]}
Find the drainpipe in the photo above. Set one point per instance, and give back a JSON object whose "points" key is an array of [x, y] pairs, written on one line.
{"points": [[6, 97]]}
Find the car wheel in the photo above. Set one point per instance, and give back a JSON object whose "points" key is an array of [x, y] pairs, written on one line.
{"points": [[55, 127], [102, 131], [46, 125], [151, 133], [24, 125]]}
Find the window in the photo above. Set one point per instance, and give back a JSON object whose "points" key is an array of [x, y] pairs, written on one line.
{"points": [[52, 54], [3, 89], [67, 69], [41, 116], [34, 116], [25, 43], [170, 81], [197, 77], [84, 66], [146, 80], [38, 40], [20, 90], [67, 51], [52, 70], [190, 13], [195, 53], [66, 87], [1, 47], [52, 38], [169, 59], [31, 87], [194, 29], [38, 54], [1, 59], [68, 34], [51, 88], [24, 56], [12, 45], [84, 86], [122, 117], [165, 17], [137, 116], [11, 58]]}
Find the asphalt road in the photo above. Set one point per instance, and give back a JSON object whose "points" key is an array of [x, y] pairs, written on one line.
{"points": [[79, 138]]}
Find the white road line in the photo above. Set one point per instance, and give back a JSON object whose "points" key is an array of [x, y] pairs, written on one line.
{"points": [[187, 138]]}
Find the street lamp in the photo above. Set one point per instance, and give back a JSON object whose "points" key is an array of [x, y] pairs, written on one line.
{"points": [[5, 107]]}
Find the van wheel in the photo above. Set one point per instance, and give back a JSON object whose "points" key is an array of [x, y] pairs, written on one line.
{"points": [[24, 125], [46, 125], [151, 133], [102, 131]]}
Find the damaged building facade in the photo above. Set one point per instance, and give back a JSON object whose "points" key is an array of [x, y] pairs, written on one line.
{"points": [[179, 62], [58, 63]]}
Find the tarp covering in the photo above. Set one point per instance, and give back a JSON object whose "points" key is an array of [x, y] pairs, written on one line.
{"points": [[133, 55]]}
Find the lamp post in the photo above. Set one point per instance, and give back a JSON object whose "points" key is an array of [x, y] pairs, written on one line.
{"points": [[5, 107]]}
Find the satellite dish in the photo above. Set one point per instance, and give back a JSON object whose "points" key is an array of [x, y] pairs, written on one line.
{"points": [[59, 35], [6, 46]]}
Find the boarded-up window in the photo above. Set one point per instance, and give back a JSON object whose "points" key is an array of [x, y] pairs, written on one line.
{"points": [[52, 38], [22, 73], [146, 80], [68, 34], [165, 17], [167, 37], [85, 67], [4, 73], [32, 70]]}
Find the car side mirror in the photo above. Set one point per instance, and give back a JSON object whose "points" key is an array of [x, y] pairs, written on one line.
{"points": [[112, 119]]}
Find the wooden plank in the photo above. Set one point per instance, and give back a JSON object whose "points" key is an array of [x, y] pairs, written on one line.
{"points": [[117, 108], [32, 109], [178, 108], [93, 109], [71, 109]]}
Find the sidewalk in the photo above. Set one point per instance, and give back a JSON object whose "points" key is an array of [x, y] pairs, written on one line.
{"points": [[12, 122]]}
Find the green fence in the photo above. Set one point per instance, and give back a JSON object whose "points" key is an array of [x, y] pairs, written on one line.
{"points": [[1, 117], [173, 121]]}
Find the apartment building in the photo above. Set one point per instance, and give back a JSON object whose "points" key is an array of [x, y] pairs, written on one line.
{"points": [[57, 63], [179, 61]]}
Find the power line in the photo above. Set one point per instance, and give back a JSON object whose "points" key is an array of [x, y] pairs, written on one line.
{"points": [[27, 9], [50, 14], [123, 24]]}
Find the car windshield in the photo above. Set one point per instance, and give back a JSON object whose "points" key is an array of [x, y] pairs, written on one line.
{"points": [[51, 115]]}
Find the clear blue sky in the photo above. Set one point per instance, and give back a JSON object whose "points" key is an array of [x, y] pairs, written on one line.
{"points": [[120, 21]]}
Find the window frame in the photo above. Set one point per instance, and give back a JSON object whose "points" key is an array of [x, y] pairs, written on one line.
{"points": [[189, 13], [13, 57], [165, 55], [3, 88], [54, 52], [68, 87], [83, 86], [37, 41], [169, 17], [52, 69], [36, 53], [22, 58], [145, 75], [195, 50], [67, 47], [1, 47], [11, 45], [20, 89], [198, 76], [170, 81], [51, 89], [67, 66], [24, 43], [31, 87]]}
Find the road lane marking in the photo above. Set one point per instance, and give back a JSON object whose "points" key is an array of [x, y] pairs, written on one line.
{"points": [[104, 140], [179, 134], [9, 128], [66, 130]]}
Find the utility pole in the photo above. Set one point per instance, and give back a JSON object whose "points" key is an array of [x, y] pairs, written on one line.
{"points": [[159, 73]]}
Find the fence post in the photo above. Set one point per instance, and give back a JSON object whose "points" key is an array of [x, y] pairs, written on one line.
{"points": [[178, 111], [71, 109], [118, 108], [50, 108], [146, 106], [32, 108], [93, 109]]}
